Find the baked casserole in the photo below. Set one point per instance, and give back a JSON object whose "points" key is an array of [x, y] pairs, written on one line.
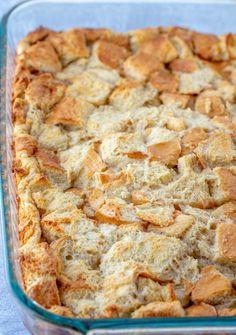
{"points": [[124, 162]]}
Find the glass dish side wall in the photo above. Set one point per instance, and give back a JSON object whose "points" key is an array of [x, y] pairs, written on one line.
{"points": [[119, 16]]}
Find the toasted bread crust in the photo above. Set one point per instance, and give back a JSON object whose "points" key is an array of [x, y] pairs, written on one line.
{"points": [[124, 162]]}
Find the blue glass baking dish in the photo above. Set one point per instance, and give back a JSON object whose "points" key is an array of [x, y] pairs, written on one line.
{"points": [[206, 16]]}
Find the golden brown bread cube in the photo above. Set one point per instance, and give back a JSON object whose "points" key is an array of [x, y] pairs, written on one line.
{"points": [[224, 187], [70, 111], [164, 81], [70, 45], [43, 92], [39, 273], [141, 65], [109, 54], [225, 243], [161, 47], [201, 310], [160, 309], [42, 57], [212, 287]]}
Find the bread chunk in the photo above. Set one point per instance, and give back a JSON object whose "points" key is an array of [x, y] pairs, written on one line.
{"points": [[25, 143], [167, 152], [116, 212], [131, 94], [161, 47], [180, 100], [109, 54], [70, 111], [39, 274], [61, 310], [178, 228], [217, 150], [139, 36], [70, 45], [51, 167], [118, 146], [225, 243], [192, 138], [157, 252], [226, 312], [212, 287], [201, 310], [228, 210], [164, 81], [20, 81], [31, 38], [29, 221], [210, 105], [209, 46], [53, 137], [158, 214], [197, 81], [224, 187], [187, 65], [160, 309], [43, 92], [89, 88], [42, 57], [225, 123], [141, 65]]}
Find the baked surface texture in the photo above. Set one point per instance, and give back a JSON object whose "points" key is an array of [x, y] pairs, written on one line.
{"points": [[124, 161]]}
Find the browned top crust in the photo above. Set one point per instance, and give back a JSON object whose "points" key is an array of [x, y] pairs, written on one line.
{"points": [[226, 238], [69, 45], [212, 287], [187, 65], [164, 81], [78, 112], [43, 91], [124, 161], [110, 54], [161, 47], [42, 57], [201, 310], [27, 143]]}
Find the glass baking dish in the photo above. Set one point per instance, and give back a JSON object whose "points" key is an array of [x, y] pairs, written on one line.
{"points": [[210, 16]]}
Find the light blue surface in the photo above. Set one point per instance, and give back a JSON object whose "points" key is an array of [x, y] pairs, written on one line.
{"points": [[10, 319]]}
